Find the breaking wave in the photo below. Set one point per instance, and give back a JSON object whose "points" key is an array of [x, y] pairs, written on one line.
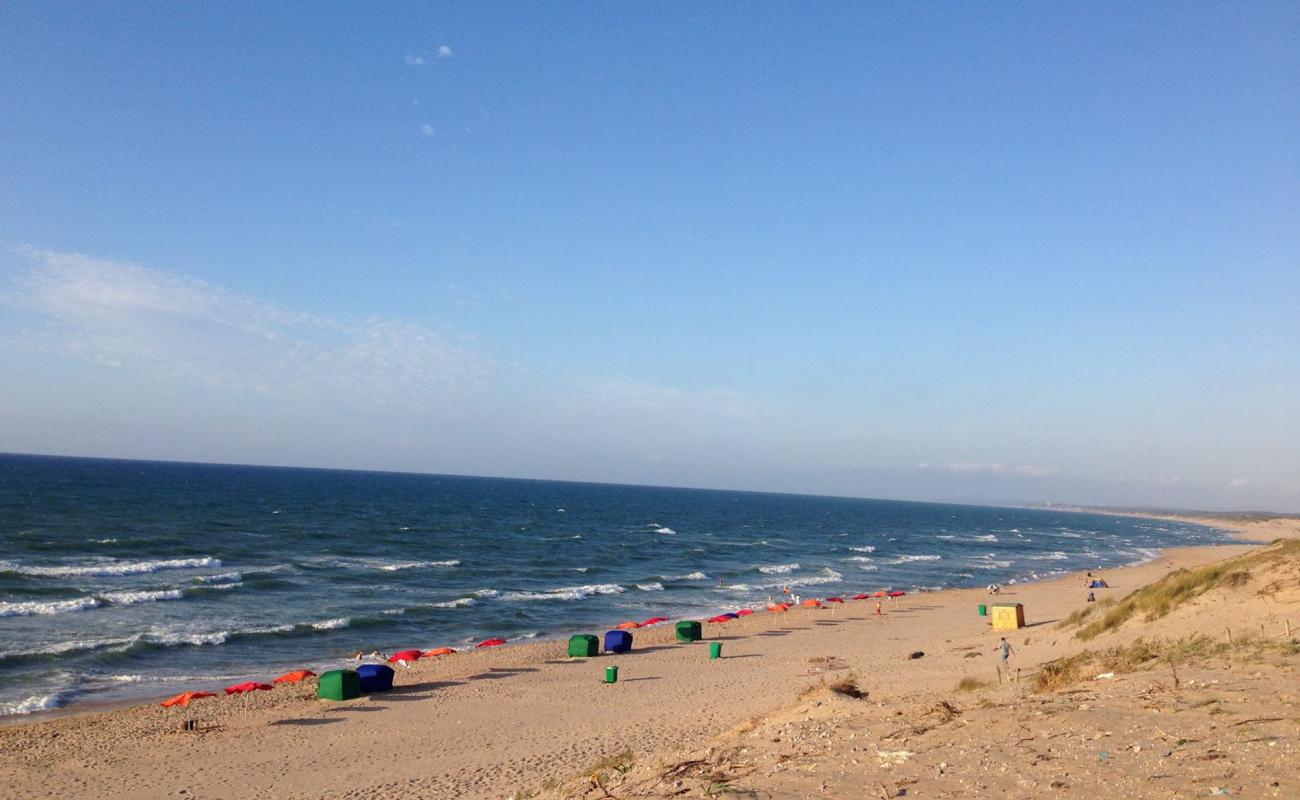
{"points": [[566, 592], [109, 568]]}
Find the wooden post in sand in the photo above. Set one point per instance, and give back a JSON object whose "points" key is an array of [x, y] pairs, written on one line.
{"points": [[1287, 623], [1229, 630]]}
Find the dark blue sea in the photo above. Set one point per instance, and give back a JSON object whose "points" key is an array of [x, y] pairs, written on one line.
{"points": [[123, 579]]}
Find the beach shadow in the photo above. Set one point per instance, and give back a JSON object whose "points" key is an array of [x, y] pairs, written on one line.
{"points": [[829, 622], [650, 649], [310, 721], [512, 670], [742, 655], [773, 633], [357, 708], [646, 678], [428, 686], [1044, 622]]}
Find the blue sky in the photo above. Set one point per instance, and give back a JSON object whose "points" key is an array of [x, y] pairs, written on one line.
{"points": [[1006, 252]]}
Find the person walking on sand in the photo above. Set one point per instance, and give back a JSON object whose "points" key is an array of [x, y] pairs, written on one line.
{"points": [[879, 609], [1004, 655]]}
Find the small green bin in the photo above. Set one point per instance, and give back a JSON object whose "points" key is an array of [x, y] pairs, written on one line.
{"points": [[339, 684], [715, 649], [611, 674], [688, 630], [584, 645], [984, 610]]}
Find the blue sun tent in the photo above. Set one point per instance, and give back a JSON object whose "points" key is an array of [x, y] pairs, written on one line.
{"points": [[618, 641], [1098, 585], [375, 678]]}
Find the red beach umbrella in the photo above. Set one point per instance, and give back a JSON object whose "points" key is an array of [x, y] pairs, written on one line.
{"points": [[405, 655], [722, 618], [295, 677], [438, 651], [862, 596], [744, 612], [880, 594], [897, 594], [248, 686], [653, 621], [183, 699], [835, 599], [490, 643]]}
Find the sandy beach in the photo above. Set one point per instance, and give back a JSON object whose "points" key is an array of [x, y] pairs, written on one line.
{"points": [[526, 720]]}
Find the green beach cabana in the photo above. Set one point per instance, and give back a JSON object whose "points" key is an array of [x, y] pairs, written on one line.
{"points": [[584, 645]]}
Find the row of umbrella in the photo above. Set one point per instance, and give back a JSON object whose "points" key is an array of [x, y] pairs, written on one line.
{"points": [[183, 699]]}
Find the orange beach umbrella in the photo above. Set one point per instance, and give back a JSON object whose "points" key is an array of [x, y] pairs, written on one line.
{"points": [[183, 699], [295, 677], [438, 651], [490, 643], [627, 626], [812, 603]]}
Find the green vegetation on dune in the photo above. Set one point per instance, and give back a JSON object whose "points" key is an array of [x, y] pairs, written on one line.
{"points": [[1171, 591]]}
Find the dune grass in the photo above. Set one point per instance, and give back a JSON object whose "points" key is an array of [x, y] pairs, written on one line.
{"points": [[970, 684], [1159, 598]]}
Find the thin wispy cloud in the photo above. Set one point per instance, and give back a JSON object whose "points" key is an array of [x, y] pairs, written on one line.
{"points": [[173, 328], [415, 60], [427, 129], [445, 51], [671, 401], [992, 468]]}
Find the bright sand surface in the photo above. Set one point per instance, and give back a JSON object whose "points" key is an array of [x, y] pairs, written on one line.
{"points": [[489, 723]]}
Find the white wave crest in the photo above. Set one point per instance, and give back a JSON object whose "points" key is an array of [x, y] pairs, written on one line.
{"points": [[866, 548], [418, 565], [858, 559], [486, 593], [1057, 555], [567, 592], [52, 607], [827, 576], [868, 567], [665, 531], [459, 602], [109, 568], [31, 705], [778, 569], [910, 559], [653, 586], [221, 577], [331, 624], [187, 637], [988, 537], [132, 598], [690, 576]]}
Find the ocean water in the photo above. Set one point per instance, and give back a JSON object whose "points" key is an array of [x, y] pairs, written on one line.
{"points": [[123, 579]]}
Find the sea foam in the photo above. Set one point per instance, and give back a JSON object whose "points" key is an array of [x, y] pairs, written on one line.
{"points": [[108, 568]]}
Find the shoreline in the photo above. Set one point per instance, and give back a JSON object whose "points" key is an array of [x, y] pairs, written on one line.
{"points": [[93, 707], [555, 712]]}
